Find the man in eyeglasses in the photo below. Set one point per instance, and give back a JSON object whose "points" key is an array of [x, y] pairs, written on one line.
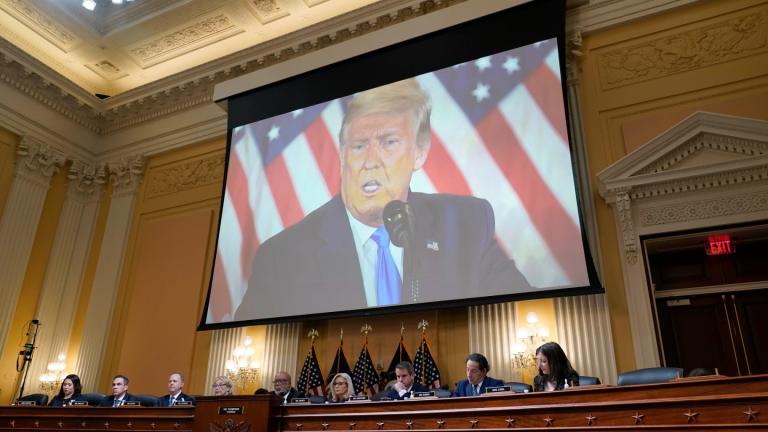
{"points": [[284, 389]]}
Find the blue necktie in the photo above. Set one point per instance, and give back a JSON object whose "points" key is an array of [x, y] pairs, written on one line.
{"points": [[387, 277]]}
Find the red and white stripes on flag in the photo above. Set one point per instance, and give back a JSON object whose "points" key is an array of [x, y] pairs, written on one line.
{"points": [[498, 132]]}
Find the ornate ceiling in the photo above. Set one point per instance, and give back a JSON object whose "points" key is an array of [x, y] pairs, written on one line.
{"points": [[146, 59], [119, 47]]}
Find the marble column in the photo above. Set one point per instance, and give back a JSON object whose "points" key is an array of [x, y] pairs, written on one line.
{"points": [[126, 175], [63, 277], [36, 163]]}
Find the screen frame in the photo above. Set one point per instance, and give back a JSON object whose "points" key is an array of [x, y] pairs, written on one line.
{"points": [[510, 28]]}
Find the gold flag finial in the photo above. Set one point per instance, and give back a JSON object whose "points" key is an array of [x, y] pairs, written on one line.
{"points": [[313, 334], [423, 324], [341, 334], [402, 328], [365, 329]]}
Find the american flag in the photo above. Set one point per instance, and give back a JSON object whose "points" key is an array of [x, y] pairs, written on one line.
{"points": [[364, 377], [340, 363], [498, 132], [424, 365], [310, 378]]}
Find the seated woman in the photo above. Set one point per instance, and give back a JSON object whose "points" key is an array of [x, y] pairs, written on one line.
{"points": [[69, 391], [340, 389], [555, 371], [222, 386]]}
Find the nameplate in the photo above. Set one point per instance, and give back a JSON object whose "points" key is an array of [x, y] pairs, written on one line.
{"points": [[499, 389], [385, 398], [299, 401], [25, 403], [131, 404], [423, 394], [359, 399], [225, 410], [183, 403], [78, 403]]}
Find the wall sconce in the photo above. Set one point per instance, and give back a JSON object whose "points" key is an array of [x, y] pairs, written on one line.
{"points": [[530, 337], [51, 380], [242, 368]]}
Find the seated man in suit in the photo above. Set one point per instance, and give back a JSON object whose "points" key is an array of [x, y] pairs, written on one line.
{"points": [[175, 394], [477, 377], [340, 257], [120, 393], [405, 385], [284, 388]]}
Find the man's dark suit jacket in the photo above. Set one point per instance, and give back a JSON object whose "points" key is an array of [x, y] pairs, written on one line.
{"points": [[416, 387], [163, 400], [313, 267], [464, 388], [293, 393], [110, 400]]}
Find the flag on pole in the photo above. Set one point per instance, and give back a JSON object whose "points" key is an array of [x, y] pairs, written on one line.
{"points": [[311, 378], [400, 355], [340, 363], [424, 364], [364, 377]]}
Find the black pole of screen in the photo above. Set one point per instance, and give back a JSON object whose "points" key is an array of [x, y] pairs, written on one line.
{"points": [[26, 354], [400, 223]]}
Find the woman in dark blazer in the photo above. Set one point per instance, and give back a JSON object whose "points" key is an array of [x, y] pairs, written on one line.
{"points": [[555, 371], [68, 392]]}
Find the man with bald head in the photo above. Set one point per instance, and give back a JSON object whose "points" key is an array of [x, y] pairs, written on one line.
{"points": [[175, 394], [283, 387]]}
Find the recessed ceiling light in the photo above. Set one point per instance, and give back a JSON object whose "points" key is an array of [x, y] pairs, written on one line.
{"points": [[89, 4], [117, 1]]}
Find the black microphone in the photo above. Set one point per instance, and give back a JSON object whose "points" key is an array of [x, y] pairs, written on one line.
{"points": [[399, 221]]}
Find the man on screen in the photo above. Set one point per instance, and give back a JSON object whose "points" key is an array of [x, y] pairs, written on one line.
{"points": [[340, 257]]}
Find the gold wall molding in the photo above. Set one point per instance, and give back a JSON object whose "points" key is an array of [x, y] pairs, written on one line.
{"points": [[185, 176], [738, 204], [711, 44]]}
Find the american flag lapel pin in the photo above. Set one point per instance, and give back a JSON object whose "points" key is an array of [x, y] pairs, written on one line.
{"points": [[431, 244]]}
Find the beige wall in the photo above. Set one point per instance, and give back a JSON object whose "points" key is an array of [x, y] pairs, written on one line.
{"points": [[639, 79]]}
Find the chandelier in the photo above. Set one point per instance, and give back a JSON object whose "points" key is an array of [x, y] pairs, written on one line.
{"points": [[51, 380], [242, 368]]}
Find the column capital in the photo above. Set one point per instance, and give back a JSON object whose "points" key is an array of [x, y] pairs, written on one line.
{"points": [[86, 179], [126, 173], [39, 158], [574, 55]]}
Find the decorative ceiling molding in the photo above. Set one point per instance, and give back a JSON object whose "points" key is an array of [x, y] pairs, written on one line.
{"points": [[267, 11], [209, 29], [194, 87], [40, 23], [707, 45]]}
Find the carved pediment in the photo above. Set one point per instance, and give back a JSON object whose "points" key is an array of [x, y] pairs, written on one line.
{"points": [[705, 150]]}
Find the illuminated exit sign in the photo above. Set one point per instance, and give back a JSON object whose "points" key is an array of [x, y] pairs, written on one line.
{"points": [[720, 245]]}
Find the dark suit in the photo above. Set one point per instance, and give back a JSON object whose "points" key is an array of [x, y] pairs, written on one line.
{"points": [[464, 388], [163, 400], [60, 402], [416, 387], [313, 267], [293, 393], [110, 400], [539, 384]]}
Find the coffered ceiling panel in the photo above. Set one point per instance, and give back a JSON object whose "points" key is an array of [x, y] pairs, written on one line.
{"points": [[119, 47]]}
